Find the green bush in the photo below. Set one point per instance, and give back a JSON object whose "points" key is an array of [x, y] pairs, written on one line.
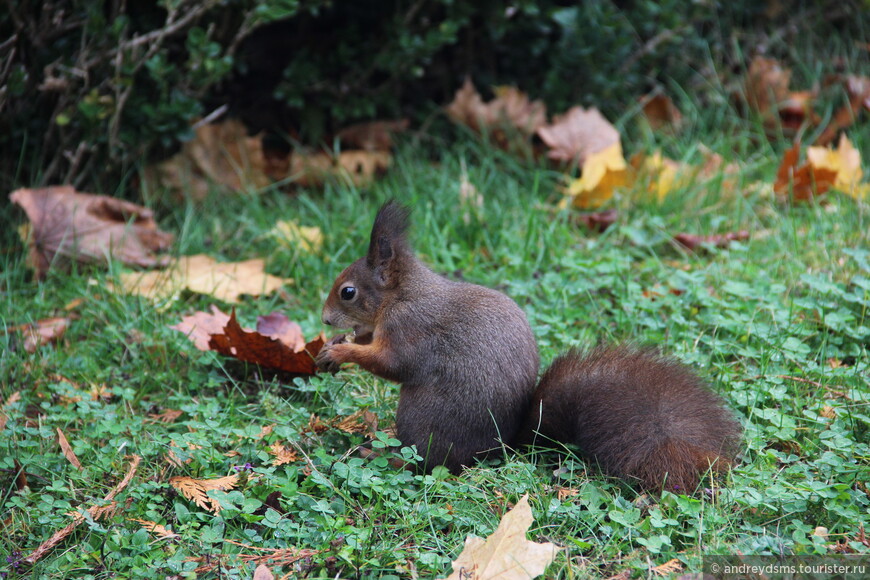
{"points": [[90, 89]]}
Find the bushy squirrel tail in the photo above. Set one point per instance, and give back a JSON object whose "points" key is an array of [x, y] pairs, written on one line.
{"points": [[640, 415]]}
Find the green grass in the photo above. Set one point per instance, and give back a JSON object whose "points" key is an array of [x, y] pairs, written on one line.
{"points": [[778, 324]]}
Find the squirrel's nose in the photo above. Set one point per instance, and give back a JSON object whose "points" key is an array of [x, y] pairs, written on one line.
{"points": [[326, 321]]}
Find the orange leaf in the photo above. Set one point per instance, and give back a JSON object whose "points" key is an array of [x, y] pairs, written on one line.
{"points": [[282, 454], [660, 111], [804, 182], [158, 530], [196, 489], [88, 228]]}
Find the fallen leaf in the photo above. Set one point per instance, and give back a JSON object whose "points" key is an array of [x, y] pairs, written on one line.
{"points": [[668, 568], [67, 450], [357, 168], [41, 332], [767, 92], [282, 454], [578, 134], [220, 154], [660, 174], [227, 281], [363, 421], [89, 228], [660, 111], [372, 135], [602, 173], [599, 221], [845, 162], [277, 343], [290, 234], [694, 242], [162, 532], [506, 554], [197, 490], [858, 92], [262, 572], [167, 416], [801, 183]]}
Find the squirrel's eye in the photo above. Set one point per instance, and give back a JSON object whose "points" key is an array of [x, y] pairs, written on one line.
{"points": [[348, 293]]}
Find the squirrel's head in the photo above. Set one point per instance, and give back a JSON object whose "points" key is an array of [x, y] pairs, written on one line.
{"points": [[358, 294]]}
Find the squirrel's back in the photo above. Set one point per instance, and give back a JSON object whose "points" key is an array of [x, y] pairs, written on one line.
{"points": [[640, 415]]}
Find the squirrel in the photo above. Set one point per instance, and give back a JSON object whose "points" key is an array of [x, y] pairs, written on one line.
{"points": [[467, 362]]}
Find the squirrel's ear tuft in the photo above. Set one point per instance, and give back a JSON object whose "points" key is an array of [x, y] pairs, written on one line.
{"points": [[389, 237]]}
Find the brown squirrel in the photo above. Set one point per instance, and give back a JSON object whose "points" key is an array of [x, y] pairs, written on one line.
{"points": [[467, 361]]}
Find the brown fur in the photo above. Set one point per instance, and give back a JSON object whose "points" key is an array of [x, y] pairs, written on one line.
{"points": [[467, 361], [640, 415]]}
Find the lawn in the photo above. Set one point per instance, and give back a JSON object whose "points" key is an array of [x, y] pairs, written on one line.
{"points": [[777, 322]]}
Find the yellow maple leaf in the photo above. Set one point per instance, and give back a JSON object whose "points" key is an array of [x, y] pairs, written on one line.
{"points": [[307, 238], [662, 175], [603, 172], [845, 161]]}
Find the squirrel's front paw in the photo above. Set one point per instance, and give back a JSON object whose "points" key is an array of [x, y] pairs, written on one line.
{"points": [[324, 359]]}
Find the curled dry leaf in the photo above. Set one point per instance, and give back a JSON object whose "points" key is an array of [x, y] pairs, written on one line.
{"points": [[510, 119], [227, 281], [858, 92], [197, 490], [363, 422], [660, 111], [276, 344], [89, 228], [219, 154], [506, 554], [693, 242], [576, 135], [599, 221]]}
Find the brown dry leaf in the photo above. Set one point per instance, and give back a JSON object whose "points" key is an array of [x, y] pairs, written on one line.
{"points": [[668, 568], [828, 412], [96, 512], [510, 110], [41, 332], [695, 242], [576, 135], [363, 422], [162, 532], [603, 172], [372, 135], [767, 92], [262, 572], [357, 168], [316, 425], [265, 431], [282, 454], [221, 154], [227, 281], [801, 183], [858, 91], [276, 325], [506, 554], [268, 352], [89, 228], [660, 111], [599, 221], [67, 450], [766, 84], [196, 489], [564, 493]]}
